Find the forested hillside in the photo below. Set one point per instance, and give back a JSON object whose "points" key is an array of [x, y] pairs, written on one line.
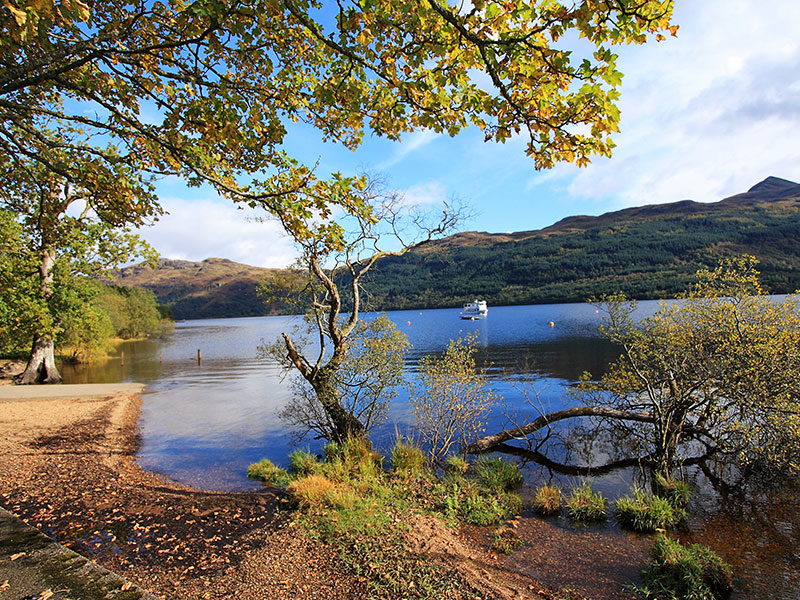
{"points": [[215, 287], [646, 252]]}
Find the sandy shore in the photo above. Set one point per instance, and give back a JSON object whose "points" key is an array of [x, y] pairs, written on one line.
{"points": [[67, 459]]}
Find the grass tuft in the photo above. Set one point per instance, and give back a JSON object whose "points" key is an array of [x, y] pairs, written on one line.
{"points": [[547, 500], [695, 572], [264, 470], [312, 490], [494, 475], [302, 462], [585, 505], [456, 465], [408, 460], [646, 512], [675, 491]]}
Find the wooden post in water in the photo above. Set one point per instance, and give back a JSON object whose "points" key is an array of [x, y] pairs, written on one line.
{"points": [[121, 358], [199, 357]]}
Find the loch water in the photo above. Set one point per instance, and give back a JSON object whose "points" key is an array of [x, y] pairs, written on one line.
{"points": [[204, 421]]}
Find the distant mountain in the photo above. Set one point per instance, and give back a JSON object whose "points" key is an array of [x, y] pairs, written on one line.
{"points": [[215, 287], [649, 251]]}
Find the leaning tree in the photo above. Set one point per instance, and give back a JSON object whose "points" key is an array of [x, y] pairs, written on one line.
{"points": [[351, 366]]}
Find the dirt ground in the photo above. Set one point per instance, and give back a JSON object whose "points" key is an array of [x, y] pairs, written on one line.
{"points": [[68, 468]]}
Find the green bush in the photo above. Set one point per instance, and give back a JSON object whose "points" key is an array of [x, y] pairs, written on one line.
{"points": [[302, 462], [408, 460], [678, 572], [585, 505], [494, 475], [267, 472], [646, 512], [547, 500]]}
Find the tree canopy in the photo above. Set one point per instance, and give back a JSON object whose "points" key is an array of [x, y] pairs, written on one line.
{"points": [[207, 90]]}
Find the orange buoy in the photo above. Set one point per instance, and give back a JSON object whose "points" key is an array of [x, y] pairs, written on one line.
{"points": [[551, 324], [409, 322]]}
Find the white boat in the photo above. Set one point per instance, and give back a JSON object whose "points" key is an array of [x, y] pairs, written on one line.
{"points": [[474, 310]]}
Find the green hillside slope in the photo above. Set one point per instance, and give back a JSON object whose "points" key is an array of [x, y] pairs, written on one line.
{"points": [[213, 288], [647, 252]]}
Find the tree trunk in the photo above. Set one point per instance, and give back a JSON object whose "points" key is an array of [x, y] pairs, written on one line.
{"points": [[345, 425], [490, 441], [41, 366]]}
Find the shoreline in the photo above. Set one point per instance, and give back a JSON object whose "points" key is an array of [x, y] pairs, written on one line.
{"points": [[68, 455], [70, 470]]}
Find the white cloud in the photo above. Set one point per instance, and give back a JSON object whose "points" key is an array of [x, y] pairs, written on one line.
{"points": [[409, 145], [425, 193], [708, 114], [196, 229]]}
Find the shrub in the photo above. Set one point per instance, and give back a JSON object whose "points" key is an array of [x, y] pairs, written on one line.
{"points": [[408, 460], [455, 465], [264, 470], [302, 462], [547, 500], [694, 572], [675, 491], [450, 398], [646, 512], [586, 505], [494, 475], [506, 540]]}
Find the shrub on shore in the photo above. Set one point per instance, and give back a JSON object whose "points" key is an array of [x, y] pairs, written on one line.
{"points": [[677, 572]]}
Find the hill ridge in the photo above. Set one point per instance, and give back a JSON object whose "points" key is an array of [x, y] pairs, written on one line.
{"points": [[647, 251]]}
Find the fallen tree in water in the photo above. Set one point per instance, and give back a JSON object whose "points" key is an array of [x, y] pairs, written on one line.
{"points": [[717, 371], [490, 442]]}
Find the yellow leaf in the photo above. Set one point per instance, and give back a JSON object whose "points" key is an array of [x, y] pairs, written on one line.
{"points": [[20, 16]]}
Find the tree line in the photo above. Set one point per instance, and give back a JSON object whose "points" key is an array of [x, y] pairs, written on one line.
{"points": [[89, 314]]}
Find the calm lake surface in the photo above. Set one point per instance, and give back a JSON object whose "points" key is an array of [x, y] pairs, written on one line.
{"points": [[203, 422]]}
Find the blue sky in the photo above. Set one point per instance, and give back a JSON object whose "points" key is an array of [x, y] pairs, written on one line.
{"points": [[704, 116]]}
